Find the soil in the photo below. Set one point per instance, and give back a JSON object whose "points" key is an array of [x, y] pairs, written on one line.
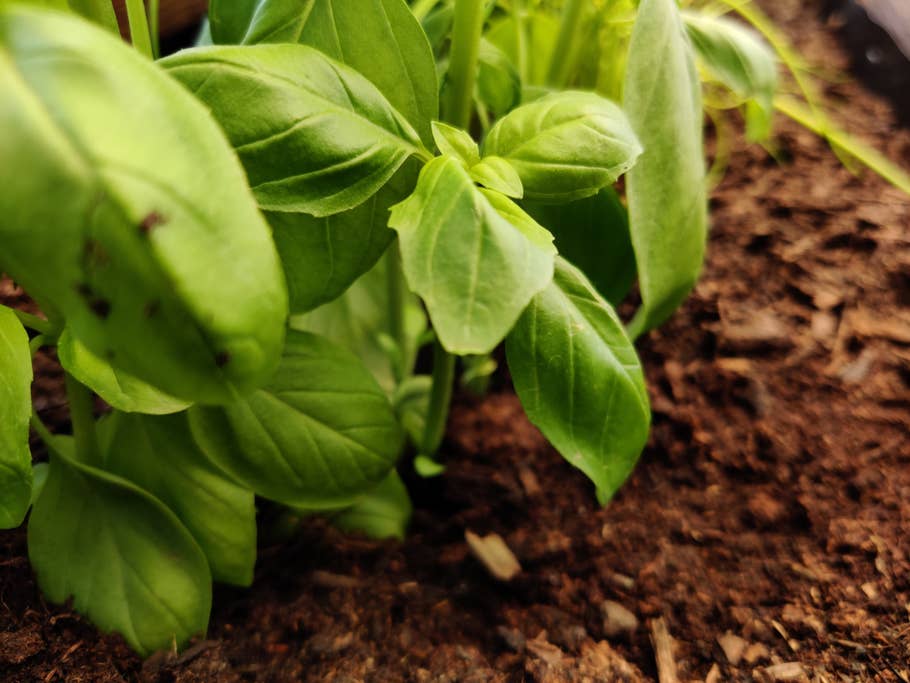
{"points": [[765, 535]]}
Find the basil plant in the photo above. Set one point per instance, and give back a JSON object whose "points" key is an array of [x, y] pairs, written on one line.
{"points": [[243, 247]]}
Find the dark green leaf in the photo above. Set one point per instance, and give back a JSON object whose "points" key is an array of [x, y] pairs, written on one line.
{"points": [[579, 379], [382, 513], [314, 136], [119, 389], [125, 559], [666, 189], [472, 255], [132, 217], [319, 435], [738, 57], [15, 410], [158, 454], [565, 146], [247, 22], [593, 233]]}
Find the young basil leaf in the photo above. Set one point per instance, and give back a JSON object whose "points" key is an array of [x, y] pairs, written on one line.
{"points": [[472, 255], [380, 39], [739, 58], [119, 389], [437, 25], [319, 435], [15, 410], [593, 234], [151, 247], [666, 190], [565, 146], [456, 143], [498, 82], [125, 559], [579, 379], [528, 40], [314, 136], [495, 173], [382, 513], [159, 455], [358, 321], [412, 403], [322, 257]]}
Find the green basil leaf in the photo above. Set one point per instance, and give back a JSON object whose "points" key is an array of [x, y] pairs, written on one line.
{"points": [[119, 389], [382, 513], [495, 173], [455, 142], [125, 559], [437, 25], [579, 379], [15, 410], [412, 403], [152, 247], [739, 58], [99, 11], [359, 321], [159, 455], [527, 41], [666, 190], [247, 22], [593, 233], [314, 136], [319, 435], [380, 39], [498, 82], [565, 146], [472, 255]]}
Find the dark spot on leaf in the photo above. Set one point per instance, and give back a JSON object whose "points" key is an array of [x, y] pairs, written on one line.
{"points": [[152, 308], [150, 222], [222, 359], [85, 291], [110, 355], [95, 254], [100, 307]]}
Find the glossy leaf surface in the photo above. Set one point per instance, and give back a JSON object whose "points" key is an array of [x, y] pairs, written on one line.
{"points": [[579, 379], [15, 410], [131, 218], [565, 146], [125, 559], [593, 234], [666, 189], [119, 389], [319, 435], [158, 454], [314, 136], [472, 255]]}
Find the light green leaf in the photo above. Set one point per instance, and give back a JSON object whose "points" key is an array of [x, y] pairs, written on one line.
{"points": [[565, 146], [132, 218], [666, 190], [412, 403], [99, 11], [39, 476], [579, 379], [498, 82], [427, 468], [119, 389], [456, 143], [739, 58], [319, 435], [528, 41], [125, 559], [314, 136], [593, 234], [380, 39], [358, 320], [472, 255], [495, 173], [382, 513], [158, 454], [15, 410]]}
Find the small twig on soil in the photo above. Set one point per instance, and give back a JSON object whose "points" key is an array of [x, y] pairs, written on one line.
{"points": [[663, 651]]}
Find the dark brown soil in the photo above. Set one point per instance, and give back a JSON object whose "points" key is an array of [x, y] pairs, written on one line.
{"points": [[768, 526]]}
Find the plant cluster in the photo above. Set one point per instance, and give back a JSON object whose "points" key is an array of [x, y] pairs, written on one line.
{"points": [[241, 248]]}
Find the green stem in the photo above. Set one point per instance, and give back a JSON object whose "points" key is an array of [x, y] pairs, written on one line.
{"points": [[33, 322], [154, 14], [82, 417], [440, 398], [41, 430], [521, 40], [422, 8], [139, 27], [562, 60], [395, 285], [466, 33]]}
